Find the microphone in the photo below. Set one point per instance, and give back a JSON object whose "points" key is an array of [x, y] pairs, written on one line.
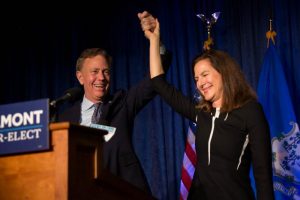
{"points": [[69, 95]]}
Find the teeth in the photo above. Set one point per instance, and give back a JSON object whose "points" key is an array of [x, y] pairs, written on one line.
{"points": [[99, 86]]}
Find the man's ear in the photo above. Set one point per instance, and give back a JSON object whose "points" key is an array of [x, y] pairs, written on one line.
{"points": [[79, 77]]}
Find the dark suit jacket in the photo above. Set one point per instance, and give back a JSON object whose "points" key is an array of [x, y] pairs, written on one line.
{"points": [[119, 110]]}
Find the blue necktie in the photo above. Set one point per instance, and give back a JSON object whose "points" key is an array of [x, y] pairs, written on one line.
{"points": [[97, 113]]}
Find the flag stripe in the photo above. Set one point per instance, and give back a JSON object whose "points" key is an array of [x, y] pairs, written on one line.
{"points": [[186, 179], [189, 163], [188, 166], [189, 158], [183, 192], [190, 152]]}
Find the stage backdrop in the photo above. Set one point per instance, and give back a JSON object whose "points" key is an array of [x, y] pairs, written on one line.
{"points": [[40, 47]]}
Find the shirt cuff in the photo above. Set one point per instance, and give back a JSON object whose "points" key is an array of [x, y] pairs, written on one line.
{"points": [[162, 49]]}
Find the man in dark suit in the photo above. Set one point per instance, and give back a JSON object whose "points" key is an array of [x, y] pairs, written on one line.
{"points": [[117, 110]]}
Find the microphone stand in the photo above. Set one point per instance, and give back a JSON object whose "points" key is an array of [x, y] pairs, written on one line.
{"points": [[70, 95], [53, 113]]}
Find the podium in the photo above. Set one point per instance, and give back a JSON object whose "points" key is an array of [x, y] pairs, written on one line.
{"points": [[71, 169]]}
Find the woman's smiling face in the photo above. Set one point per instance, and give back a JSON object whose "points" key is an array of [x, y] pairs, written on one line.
{"points": [[209, 82]]}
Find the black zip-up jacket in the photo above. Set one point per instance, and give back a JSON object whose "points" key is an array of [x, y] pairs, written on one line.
{"points": [[226, 145]]}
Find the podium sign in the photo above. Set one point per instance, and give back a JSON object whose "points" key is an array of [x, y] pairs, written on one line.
{"points": [[24, 127]]}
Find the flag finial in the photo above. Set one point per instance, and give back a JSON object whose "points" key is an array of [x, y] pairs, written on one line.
{"points": [[209, 22], [270, 34]]}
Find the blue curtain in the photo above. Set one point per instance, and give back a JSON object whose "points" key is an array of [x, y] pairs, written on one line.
{"points": [[39, 54]]}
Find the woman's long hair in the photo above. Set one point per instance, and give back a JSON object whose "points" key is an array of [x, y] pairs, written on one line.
{"points": [[236, 90]]}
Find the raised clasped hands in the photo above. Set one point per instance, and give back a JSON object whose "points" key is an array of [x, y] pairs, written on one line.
{"points": [[149, 25]]}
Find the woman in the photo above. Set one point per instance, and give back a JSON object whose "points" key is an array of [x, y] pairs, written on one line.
{"points": [[232, 132]]}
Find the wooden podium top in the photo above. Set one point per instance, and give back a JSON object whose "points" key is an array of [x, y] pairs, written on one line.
{"points": [[71, 169], [72, 126]]}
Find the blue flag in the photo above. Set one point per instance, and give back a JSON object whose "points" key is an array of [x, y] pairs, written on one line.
{"points": [[274, 96]]}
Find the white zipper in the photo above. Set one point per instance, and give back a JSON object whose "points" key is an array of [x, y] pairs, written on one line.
{"points": [[217, 114]]}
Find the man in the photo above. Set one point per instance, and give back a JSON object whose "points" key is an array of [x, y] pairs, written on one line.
{"points": [[117, 110]]}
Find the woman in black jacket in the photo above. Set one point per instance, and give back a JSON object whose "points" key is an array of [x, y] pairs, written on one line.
{"points": [[232, 132]]}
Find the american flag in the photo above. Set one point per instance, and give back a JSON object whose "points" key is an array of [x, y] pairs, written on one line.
{"points": [[189, 158]]}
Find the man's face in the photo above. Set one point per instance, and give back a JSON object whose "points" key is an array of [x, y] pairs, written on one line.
{"points": [[95, 78]]}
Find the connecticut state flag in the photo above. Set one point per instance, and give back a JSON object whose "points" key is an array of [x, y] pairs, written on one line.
{"points": [[273, 93]]}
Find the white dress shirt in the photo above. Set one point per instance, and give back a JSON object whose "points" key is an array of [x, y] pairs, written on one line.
{"points": [[87, 110]]}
